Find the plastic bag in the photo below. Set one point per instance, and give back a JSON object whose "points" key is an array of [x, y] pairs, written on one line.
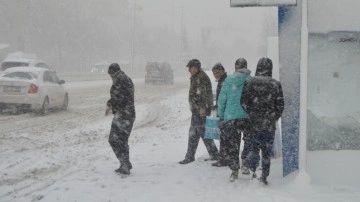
{"points": [[212, 130]]}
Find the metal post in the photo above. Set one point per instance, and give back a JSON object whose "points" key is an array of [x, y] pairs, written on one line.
{"points": [[133, 38], [303, 88]]}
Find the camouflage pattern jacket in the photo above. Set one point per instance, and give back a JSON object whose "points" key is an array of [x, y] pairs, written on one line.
{"points": [[200, 93]]}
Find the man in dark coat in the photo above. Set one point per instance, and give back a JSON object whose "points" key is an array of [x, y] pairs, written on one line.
{"points": [[263, 100], [201, 102], [220, 75], [122, 106]]}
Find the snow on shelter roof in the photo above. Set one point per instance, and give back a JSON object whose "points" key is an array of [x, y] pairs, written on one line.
{"points": [[246, 3]]}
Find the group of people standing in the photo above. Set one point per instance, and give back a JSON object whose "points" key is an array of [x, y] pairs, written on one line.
{"points": [[245, 105]]}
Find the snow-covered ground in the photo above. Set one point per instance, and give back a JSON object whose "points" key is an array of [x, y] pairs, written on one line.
{"points": [[65, 156]]}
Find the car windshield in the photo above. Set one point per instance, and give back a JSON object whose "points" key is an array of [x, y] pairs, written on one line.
{"points": [[6, 65], [152, 67], [21, 75]]}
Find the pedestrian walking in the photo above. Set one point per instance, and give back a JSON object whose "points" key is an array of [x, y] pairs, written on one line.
{"points": [[263, 100], [220, 75], [201, 101], [122, 106]]}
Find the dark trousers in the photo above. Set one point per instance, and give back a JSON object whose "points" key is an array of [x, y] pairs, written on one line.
{"points": [[248, 139], [196, 131], [247, 146], [118, 139], [262, 141], [223, 150], [231, 142]]}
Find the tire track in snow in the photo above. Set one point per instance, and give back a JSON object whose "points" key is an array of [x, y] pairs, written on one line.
{"points": [[77, 153]]}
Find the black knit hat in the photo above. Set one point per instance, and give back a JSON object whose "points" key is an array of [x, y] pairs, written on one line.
{"points": [[113, 68], [218, 66], [195, 63]]}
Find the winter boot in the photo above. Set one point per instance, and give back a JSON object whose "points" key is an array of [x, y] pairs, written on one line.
{"points": [[234, 175], [244, 168], [186, 161], [219, 164], [254, 176], [263, 180], [123, 170]]}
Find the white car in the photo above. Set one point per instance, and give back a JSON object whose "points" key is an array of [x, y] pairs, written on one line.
{"points": [[32, 88], [22, 62], [100, 67]]}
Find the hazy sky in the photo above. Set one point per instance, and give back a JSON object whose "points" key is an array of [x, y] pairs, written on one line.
{"points": [[226, 24], [167, 30], [199, 13]]}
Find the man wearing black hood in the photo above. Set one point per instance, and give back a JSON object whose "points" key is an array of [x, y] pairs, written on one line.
{"points": [[122, 106], [263, 100]]}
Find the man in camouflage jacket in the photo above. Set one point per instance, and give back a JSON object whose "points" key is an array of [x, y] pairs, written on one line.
{"points": [[200, 101]]}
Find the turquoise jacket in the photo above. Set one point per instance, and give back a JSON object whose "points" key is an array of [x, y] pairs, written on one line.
{"points": [[229, 107]]}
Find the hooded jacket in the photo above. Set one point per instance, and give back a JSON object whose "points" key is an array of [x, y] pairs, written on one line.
{"points": [[219, 86], [200, 93], [262, 98], [122, 96], [229, 107]]}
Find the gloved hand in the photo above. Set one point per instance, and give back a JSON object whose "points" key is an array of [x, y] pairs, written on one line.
{"points": [[202, 113], [107, 111]]}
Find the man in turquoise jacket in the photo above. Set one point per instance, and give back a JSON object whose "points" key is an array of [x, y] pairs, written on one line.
{"points": [[232, 116]]}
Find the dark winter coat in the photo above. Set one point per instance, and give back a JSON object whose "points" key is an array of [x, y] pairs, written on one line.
{"points": [[122, 96], [200, 93], [218, 88], [262, 98]]}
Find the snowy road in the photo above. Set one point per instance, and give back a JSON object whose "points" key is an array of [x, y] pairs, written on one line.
{"points": [[87, 105], [65, 156], [33, 148]]}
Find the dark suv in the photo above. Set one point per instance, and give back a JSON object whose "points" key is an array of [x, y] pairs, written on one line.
{"points": [[159, 72]]}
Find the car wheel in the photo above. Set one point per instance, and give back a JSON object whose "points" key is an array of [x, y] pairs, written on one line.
{"points": [[66, 102], [45, 107]]}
